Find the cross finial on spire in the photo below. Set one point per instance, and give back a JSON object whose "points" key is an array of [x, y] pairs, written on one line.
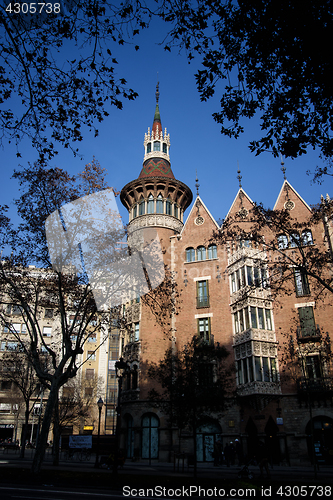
{"points": [[157, 93], [197, 182]]}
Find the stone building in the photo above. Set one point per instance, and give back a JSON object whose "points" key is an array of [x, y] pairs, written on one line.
{"points": [[247, 290], [226, 294]]}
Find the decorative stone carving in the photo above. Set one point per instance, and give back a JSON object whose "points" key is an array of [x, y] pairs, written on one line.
{"points": [[199, 220], [259, 388], [243, 213], [158, 221], [289, 205], [252, 253]]}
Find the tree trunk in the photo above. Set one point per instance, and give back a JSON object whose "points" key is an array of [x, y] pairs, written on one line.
{"points": [[43, 435], [25, 429], [56, 434]]}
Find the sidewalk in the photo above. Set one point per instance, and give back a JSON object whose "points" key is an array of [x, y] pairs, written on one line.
{"points": [[207, 469]]}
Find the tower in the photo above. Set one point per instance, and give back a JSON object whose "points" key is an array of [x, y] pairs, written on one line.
{"points": [[156, 198]]}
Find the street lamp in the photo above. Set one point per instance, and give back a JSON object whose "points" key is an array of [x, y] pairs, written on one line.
{"points": [[100, 404], [121, 366]]}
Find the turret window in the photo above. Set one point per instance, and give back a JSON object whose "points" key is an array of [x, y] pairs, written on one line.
{"points": [[150, 204], [148, 147], [157, 146], [142, 207], [175, 213], [159, 204], [168, 207], [135, 210], [165, 149]]}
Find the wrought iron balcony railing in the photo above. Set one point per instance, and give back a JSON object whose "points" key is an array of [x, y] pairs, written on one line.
{"points": [[308, 333], [306, 385]]}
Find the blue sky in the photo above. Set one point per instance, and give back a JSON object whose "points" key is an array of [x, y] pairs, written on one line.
{"points": [[196, 141]]}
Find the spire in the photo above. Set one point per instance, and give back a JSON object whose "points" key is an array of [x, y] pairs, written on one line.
{"points": [[283, 168], [197, 183], [156, 161], [157, 125], [239, 177]]}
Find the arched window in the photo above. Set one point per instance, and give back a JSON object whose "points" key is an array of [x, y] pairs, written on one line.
{"points": [[190, 255], [148, 147], [135, 210], [150, 427], [175, 211], [159, 204], [307, 237], [212, 252], [150, 204], [142, 207], [165, 149], [282, 241], [294, 240], [201, 253], [168, 207], [157, 146]]}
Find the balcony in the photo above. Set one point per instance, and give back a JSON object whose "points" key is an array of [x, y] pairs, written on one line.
{"points": [[207, 340], [318, 387], [308, 334]]}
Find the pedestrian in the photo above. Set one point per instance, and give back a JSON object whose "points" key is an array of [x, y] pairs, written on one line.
{"points": [[239, 452]]}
